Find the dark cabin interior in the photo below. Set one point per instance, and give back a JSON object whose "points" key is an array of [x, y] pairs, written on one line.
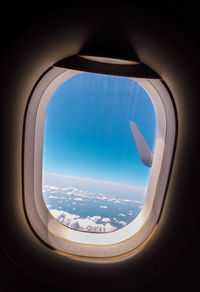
{"points": [[182, 273]]}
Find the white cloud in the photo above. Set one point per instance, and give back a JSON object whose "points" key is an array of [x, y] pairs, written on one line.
{"points": [[63, 216], [136, 201], [102, 197], [95, 218], [50, 189], [122, 222], [53, 188], [116, 200], [69, 193], [124, 200], [53, 197], [105, 219], [95, 223], [79, 194], [84, 224], [69, 189]]}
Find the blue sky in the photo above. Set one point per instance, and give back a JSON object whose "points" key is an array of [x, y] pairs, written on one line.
{"points": [[87, 132]]}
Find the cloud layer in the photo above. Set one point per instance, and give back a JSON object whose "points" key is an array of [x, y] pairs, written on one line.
{"points": [[89, 211], [92, 185], [89, 224], [80, 195]]}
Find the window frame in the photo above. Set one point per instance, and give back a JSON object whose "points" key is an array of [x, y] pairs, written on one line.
{"points": [[80, 243]]}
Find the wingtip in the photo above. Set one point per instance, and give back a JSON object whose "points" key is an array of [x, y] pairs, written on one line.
{"points": [[131, 123], [144, 151]]}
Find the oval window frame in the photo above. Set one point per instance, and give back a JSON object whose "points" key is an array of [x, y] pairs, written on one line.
{"points": [[84, 244]]}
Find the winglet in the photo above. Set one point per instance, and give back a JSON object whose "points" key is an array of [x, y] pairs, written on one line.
{"points": [[144, 151]]}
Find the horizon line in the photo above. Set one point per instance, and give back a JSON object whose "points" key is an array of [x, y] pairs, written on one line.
{"points": [[105, 182]]}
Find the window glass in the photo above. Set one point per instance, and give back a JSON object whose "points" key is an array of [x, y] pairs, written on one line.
{"points": [[98, 148]]}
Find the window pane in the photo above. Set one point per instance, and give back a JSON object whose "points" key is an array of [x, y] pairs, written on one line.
{"points": [[93, 177]]}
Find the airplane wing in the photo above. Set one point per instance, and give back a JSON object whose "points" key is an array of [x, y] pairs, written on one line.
{"points": [[144, 151]]}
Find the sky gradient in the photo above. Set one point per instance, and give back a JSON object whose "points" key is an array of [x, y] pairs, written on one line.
{"points": [[87, 132]]}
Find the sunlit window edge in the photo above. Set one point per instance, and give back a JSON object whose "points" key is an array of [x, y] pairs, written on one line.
{"points": [[72, 241]]}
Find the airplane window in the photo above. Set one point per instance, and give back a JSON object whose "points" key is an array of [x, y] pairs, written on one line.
{"points": [[97, 156], [99, 138]]}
